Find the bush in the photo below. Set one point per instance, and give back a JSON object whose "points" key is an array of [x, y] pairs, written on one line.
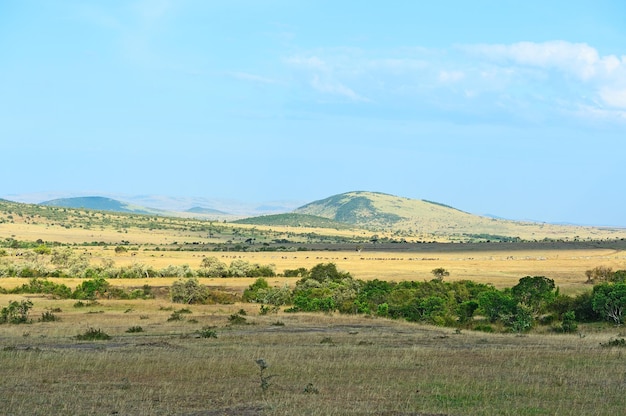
{"points": [[569, 323], [212, 267], [134, 329], [236, 319], [16, 312], [483, 328], [300, 272], [189, 291], [615, 342], [48, 316], [93, 335], [207, 332], [36, 285], [251, 294], [91, 289]]}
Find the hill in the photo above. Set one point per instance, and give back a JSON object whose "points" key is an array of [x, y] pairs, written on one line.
{"points": [[100, 203], [422, 218], [202, 210], [294, 220]]}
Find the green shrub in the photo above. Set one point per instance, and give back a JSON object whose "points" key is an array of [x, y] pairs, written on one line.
{"points": [[569, 323], [483, 328], [48, 316], [16, 312], [134, 329], [189, 291], [236, 319], [615, 342], [207, 332], [93, 335]]}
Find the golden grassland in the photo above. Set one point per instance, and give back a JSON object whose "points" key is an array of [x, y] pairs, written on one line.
{"points": [[317, 365], [500, 267]]}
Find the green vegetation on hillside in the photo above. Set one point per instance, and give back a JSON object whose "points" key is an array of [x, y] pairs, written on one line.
{"points": [[294, 220]]}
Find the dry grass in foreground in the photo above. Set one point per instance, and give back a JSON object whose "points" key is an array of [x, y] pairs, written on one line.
{"points": [[317, 365]]}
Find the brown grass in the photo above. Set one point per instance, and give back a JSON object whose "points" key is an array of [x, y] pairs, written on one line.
{"points": [[500, 267], [357, 365]]}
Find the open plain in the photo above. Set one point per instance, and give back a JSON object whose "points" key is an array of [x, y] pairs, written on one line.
{"points": [[207, 360]]}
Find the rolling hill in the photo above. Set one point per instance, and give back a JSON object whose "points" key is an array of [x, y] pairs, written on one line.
{"points": [[294, 220], [421, 218], [202, 210], [100, 203], [388, 215]]}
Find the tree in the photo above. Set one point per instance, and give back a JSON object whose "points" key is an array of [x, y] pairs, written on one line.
{"points": [[600, 273], [16, 312], [251, 294], [212, 267], [522, 320], [569, 323], [609, 300], [189, 291], [440, 273], [465, 310], [91, 289], [497, 305], [328, 271], [535, 292]]}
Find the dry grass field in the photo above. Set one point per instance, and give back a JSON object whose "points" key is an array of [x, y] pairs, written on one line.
{"points": [[501, 267], [318, 364]]}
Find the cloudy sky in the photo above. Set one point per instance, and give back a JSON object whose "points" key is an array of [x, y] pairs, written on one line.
{"points": [[509, 108]]}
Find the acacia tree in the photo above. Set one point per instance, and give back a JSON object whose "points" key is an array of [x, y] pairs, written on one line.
{"points": [[600, 273], [440, 273]]}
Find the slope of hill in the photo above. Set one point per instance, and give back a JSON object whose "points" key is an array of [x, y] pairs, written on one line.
{"points": [[421, 218], [294, 220], [202, 210], [101, 204]]}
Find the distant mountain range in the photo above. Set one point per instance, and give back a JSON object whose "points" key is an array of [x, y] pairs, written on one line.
{"points": [[100, 203], [368, 210]]}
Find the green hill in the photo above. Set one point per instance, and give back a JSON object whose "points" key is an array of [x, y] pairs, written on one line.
{"points": [[294, 220], [421, 218]]}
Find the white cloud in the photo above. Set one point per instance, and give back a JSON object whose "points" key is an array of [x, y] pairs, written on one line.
{"points": [[540, 79], [253, 78], [309, 63], [578, 58], [335, 88], [451, 76], [614, 98]]}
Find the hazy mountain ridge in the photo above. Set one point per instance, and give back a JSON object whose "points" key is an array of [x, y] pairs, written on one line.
{"points": [[100, 203], [230, 208]]}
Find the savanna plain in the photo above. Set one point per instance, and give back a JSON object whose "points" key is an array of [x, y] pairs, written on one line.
{"points": [[154, 356]]}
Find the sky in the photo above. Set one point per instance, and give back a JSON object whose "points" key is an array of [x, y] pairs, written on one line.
{"points": [[508, 108]]}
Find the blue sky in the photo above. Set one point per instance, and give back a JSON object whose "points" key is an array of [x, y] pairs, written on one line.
{"points": [[509, 108]]}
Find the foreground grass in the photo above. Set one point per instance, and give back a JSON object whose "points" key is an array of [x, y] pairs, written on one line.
{"points": [[318, 365]]}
